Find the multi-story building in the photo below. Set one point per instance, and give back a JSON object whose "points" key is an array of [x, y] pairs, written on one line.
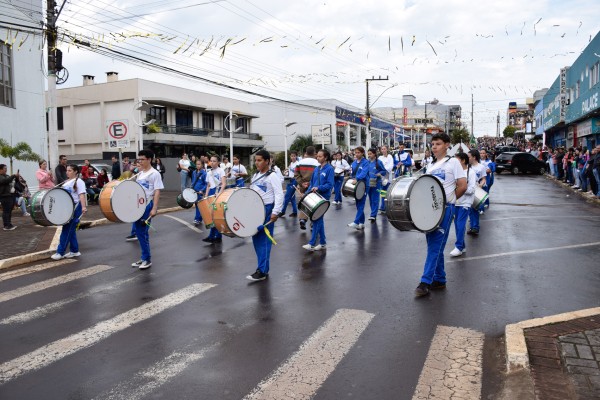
{"points": [[521, 117]]}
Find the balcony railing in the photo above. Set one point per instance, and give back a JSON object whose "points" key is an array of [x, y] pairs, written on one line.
{"points": [[190, 130]]}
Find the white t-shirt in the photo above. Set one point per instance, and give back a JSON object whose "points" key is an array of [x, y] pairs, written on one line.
{"points": [[75, 193], [466, 200], [214, 177], [340, 166], [388, 163], [269, 189], [150, 181], [292, 168], [480, 171], [184, 164], [278, 172], [238, 169], [309, 161], [225, 166], [448, 170]]}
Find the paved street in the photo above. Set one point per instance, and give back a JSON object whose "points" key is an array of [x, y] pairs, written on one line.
{"points": [[341, 323]]}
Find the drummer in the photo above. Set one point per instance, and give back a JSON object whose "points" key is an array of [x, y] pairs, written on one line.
{"points": [[463, 206], [290, 192], [377, 171], [303, 174], [238, 171], [388, 162], [322, 182], [216, 182], [68, 236], [340, 167], [360, 172], [268, 186], [480, 171], [453, 178], [199, 186]]}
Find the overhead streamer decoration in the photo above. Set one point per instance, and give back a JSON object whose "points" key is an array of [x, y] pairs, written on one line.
{"points": [[434, 52], [344, 42], [534, 31], [402, 44]]}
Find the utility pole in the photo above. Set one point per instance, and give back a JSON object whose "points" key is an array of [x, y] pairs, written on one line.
{"points": [[368, 109], [52, 114], [472, 119]]}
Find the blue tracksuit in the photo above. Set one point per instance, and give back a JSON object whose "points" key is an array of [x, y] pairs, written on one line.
{"points": [[473, 213], [489, 180], [290, 197], [322, 179], [262, 244], [199, 185], [338, 181], [375, 167], [214, 232], [436, 242], [68, 236], [461, 214], [141, 231], [406, 164], [360, 171]]}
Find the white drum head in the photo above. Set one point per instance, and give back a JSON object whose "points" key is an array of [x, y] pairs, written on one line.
{"points": [[427, 203], [320, 211], [361, 189], [128, 201], [58, 206], [245, 212], [189, 195]]}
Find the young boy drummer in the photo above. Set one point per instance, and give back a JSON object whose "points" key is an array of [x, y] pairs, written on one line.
{"points": [[268, 186], [453, 178]]}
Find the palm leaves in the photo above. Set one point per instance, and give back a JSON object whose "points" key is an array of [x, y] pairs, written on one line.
{"points": [[20, 151]]}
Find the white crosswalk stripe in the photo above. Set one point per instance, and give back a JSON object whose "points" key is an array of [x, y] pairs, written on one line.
{"points": [[36, 268], [39, 286], [61, 348]]}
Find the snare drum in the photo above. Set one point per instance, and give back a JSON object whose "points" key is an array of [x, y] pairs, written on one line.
{"points": [[189, 195], [123, 201], [206, 210], [356, 190], [183, 203], [239, 212], [416, 203], [313, 205], [50, 207], [480, 197]]}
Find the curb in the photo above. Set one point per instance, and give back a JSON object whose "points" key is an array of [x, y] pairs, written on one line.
{"points": [[41, 255], [590, 199], [517, 356]]}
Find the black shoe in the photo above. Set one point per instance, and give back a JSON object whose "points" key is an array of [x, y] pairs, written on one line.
{"points": [[281, 215], [131, 238], [10, 227], [437, 285], [303, 224], [422, 289], [474, 232], [208, 240], [293, 215], [217, 240], [257, 276]]}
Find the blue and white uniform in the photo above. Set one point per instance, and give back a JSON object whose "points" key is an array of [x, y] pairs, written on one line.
{"points": [[339, 169], [473, 213], [68, 236], [290, 192], [151, 182], [388, 163], [463, 207], [489, 179], [268, 186], [199, 185], [213, 181], [403, 158], [360, 171], [238, 169], [374, 185], [323, 180], [447, 171]]}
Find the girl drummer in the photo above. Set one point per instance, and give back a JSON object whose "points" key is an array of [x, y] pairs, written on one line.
{"points": [[376, 172], [360, 172], [340, 166], [68, 237], [238, 171], [199, 186], [321, 182], [216, 182]]}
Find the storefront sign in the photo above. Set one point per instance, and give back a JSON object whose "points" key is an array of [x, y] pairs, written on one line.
{"points": [[563, 93]]}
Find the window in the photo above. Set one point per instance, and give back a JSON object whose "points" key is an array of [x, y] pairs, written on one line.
{"points": [[59, 119], [241, 123], [6, 80], [183, 117], [577, 87], [208, 121], [157, 113]]}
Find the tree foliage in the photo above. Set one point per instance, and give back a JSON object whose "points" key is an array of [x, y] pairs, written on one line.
{"points": [[20, 151], [301, 143], [460, 135], [509, 131]]}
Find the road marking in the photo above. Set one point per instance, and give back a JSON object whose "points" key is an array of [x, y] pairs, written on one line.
{"points": [[512, 253], [305, 371], [36, 268], [61, 348], [42, 311], [192, 227], [453, 365], [39, 286]]}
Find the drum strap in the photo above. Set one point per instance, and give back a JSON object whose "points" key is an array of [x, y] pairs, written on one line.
{"points": [[269, 172]]}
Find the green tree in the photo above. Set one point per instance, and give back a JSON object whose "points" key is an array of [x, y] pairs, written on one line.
{"points": [[509, 131], [460, 135], [301, 143], [20, 151]]}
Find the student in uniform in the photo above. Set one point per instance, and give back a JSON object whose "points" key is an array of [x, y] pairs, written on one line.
{"points": [[388, 162], [360, 172], [480, 172], [268, 186], [490, 166], [303, 174], [376, 172], [290, 192], [403, 162], [199, 186], [238, 171], [322, 183], [340, 167], [68, 236], [216, 182], [452, 176], [152, 183], [463, 206]]}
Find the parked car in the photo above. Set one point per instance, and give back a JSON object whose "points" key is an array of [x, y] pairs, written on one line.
{"points": [[503, 149], [517, 162]]}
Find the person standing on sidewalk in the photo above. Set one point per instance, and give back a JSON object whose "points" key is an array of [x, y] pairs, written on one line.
{"points": [[115, 171], [44, 177], [61, 169], [7, 197], [68, 236]]}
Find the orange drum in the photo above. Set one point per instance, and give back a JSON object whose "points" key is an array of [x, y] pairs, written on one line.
{"points": [[238, 212], [122, 201], [206, 210]]}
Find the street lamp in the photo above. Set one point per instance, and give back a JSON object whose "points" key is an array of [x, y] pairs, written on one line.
{"points": [[231, 132], [285, 135]]}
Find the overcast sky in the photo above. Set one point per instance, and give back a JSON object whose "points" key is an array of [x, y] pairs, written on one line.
{"points": [[443, 49]]}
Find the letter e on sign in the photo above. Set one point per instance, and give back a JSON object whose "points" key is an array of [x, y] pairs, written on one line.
{"points": [[117, 130]]}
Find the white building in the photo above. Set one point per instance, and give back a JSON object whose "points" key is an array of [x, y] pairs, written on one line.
{"points": [[22, 83]]}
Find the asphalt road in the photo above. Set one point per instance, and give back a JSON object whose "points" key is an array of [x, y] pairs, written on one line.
{"points": [[341, 323]]}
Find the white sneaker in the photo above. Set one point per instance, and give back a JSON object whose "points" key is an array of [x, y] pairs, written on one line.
{"points": [[145, 264], [360, 227], [353, 225], [56, 256], [137, 263], [71, 254], [481, 212], [309, 247], [26, 214], [456, 252], [320, 247], [371, 218]]}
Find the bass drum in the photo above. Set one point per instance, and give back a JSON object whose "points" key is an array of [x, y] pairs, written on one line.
{"points": [[183, 203], [238, 212], [356, 190], [205, 206], [123, 201], [479, 198], [51, 207], [313, 205], [416, 203]]}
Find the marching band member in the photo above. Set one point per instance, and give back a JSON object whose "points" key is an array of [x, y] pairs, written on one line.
{"points": [[290, 192], [303, 174], [215, 177], [388, 162], [376, 172], [427, 160], [199, 186], [322, 183], [463, 205], [238, 171], [340, 166], [481, 174], [68, 237], [268, 186], [152, 183], [403, 161], [360, 172], [449, 172], [490, 166]]}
